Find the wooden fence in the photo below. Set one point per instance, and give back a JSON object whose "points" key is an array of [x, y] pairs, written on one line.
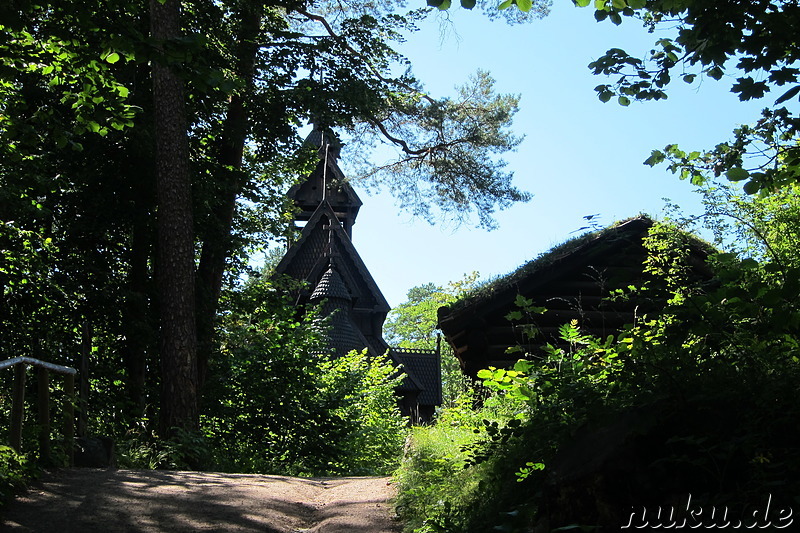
{"points": [[43, 369]]}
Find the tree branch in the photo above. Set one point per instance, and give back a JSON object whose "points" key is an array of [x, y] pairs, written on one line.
{"points": [[329, 29]]}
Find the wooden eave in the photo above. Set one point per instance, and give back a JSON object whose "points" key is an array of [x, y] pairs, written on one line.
{"points": [[479, 332], [347, 248], [556, 269]]}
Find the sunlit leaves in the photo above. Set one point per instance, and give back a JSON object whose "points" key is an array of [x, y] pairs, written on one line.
{"points": [[524, 5], [752, 37], [737, 174], [81, 82], [112, 57], [776, 165]]}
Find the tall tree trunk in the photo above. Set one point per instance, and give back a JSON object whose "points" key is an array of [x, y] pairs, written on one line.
{"points": [[176, 268], [217, 243]]}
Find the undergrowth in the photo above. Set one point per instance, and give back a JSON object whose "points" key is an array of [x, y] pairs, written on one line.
{"points": [[443, 479], [16, 471]]}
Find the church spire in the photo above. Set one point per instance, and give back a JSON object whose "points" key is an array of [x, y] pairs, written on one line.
{"points": [[326, 183]]}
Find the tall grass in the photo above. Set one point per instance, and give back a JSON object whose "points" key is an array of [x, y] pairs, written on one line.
{"points": [[441, 485]]}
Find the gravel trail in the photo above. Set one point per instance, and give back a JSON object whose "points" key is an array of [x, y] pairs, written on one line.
{"points": [[116, 501]]}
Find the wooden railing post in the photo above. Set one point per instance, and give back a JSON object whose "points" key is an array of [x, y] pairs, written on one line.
{"points": [[43, 409], [20, 365], [18, 407], [69, 418]]}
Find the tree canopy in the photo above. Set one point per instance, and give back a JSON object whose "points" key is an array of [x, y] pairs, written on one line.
{"points": [[117, 205]]}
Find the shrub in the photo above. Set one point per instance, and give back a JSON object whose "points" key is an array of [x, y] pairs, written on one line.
{"points": [[16, 471], [698, 398]]}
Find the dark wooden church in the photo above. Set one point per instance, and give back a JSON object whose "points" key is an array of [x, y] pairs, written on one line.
{"points": [[334, 275], [572, 282]]}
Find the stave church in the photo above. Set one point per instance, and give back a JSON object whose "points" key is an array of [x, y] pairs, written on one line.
{"points": [[334, 276]]}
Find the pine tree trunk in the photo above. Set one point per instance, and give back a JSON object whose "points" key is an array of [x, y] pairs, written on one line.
{"points": [[176, 268]]}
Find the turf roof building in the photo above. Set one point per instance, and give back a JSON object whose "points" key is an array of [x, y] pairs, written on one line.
{"points": [[334, 276], [572, 282]]}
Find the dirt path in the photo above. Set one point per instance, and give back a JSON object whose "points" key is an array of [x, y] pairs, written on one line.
{"points": [[111, 501]]}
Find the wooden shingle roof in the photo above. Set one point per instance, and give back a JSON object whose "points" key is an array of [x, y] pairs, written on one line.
{"points": [[572, 281]]}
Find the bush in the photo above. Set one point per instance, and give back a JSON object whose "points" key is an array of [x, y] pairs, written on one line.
{"points": [[277, 403], [442, 482], [16, 471], [141, 448], [699, 398]]}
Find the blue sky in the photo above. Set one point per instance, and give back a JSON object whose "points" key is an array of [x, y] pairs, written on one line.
{"points": [[579, 157]]}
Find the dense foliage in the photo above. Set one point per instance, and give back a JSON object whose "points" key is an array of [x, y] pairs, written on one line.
{"points": [[697, 398], [279, 404], [15, 472], [145, 152]]}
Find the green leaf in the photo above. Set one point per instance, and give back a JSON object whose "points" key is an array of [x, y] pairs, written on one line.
{"points": [[112, 58], [524, 5], [637, 4], [582, 3], [600, 5], [624, 101], [715, 73], [737, 174], [615, 18], [484, 373], [522, 365], [506, 4], [521, 301], [751, 187], [619, 4], [788, 94], [514, 315], [468, 4]]}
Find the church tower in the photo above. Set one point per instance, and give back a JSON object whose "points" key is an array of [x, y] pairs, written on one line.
{"points": [[335, 277], [326, 183]]}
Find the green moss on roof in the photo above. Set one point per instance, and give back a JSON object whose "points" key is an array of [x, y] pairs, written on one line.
{"points": [[491, 287]]}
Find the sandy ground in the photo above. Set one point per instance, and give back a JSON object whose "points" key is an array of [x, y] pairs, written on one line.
{"points": [[111, 501]]}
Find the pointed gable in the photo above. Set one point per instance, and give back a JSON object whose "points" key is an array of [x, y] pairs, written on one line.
{"points": [[336, 277], [322, 238]]}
